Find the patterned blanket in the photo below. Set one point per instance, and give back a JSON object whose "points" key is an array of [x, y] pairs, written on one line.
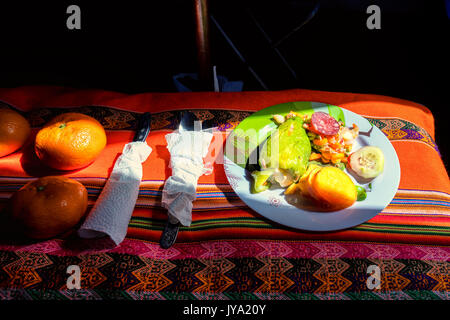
{"points": [[230, 251], [227, 270]]}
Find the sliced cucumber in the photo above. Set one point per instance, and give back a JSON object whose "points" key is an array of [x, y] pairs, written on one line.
{"points": [[261, 180], [367, 162]]}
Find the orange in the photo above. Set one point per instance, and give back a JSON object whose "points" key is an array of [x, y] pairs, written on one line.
{"points": [[48, 206], [70, 141], [14, 131]]}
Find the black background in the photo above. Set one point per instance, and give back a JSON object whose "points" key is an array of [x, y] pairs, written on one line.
{"points": [[174, 309], [138, 46]]}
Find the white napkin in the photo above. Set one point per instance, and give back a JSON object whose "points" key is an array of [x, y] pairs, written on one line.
{"points": [[187, 150], [113, 209]]}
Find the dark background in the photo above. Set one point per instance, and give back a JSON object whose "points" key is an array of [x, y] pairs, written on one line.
{"points": [[137, 46]]}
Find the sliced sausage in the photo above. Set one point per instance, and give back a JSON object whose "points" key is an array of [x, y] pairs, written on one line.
{"points": [[324, 124]]}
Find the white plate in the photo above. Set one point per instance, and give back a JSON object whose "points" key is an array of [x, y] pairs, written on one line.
{"points": [[272, 203]]}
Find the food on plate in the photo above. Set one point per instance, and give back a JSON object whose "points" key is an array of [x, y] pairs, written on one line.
{"points": [[367, 162], [289, 160], [331, 141], [48, 206], [305, 182], [70, 141], [261, 180], [324, 124], [14, 131], [329, 186], [279, 119], [313, 151], [361, 193]]}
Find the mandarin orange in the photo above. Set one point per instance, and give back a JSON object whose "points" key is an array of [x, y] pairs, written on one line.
{"points": [[70, 141], [48, 206], [14, 131]]}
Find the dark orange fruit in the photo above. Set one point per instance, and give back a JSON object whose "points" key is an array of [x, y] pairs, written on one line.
{"points": [[14, 131], [48, 206]]}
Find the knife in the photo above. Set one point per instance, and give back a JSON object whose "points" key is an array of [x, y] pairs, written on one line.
{"points": [[170, 232], [112, 211], [143, 128]]}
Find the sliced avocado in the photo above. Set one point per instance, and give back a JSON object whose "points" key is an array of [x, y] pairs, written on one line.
{"points": [[292, 150], [261, 180]]}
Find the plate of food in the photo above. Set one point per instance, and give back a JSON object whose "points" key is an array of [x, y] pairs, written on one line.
{"points": [[311, 166]]}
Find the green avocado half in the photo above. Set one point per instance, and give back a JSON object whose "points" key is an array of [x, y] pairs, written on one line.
{"points": [[288, 148]]}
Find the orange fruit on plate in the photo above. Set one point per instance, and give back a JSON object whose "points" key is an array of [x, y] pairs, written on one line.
{"points": [[48, 206], [334, 186], [70, 141], [14, 131]]}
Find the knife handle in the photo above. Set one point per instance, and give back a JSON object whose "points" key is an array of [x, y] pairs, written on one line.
{"points": [[143, 127], [169, 235]]}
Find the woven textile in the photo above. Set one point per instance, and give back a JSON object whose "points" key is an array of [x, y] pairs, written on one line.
{"points": [[230, 251], [252, 269]]}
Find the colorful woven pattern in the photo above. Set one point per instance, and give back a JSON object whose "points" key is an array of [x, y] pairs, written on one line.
{"points": [[400, 129], [227, 270]]}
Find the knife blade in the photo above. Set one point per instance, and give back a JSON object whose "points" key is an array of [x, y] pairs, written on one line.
{"points": [[143, 127]]}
